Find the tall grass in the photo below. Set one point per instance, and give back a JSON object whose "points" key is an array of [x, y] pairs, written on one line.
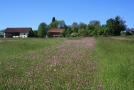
{"points": [[116, 63]]}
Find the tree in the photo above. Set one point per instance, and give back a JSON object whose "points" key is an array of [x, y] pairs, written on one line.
{"points": [[61, 24], [110, 24], [115, 26], [1, 33], [82, 29], [74, 27], [104, 30], [53, 19], [68, 31], [74, 24], [94, 22], [31, 34], [35, 33], [53, 24], [120, 25], [82, 25], [94, 28], [42, 28]]}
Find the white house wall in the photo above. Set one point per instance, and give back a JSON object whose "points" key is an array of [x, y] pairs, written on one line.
{"points": [[4, 35], [24, 35]]}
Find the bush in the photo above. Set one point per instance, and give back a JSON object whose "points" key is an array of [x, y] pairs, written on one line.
{"points": [[74, 35], [1, 36]]}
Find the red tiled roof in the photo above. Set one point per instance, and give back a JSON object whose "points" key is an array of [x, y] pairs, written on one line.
{"points": [[17, 29], [55, 30]]}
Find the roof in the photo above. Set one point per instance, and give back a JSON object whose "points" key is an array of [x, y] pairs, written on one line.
{"points": [[17, 29], [55, 30]]}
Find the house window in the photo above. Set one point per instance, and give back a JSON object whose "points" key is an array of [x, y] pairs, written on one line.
{"points": [[24, 33]]}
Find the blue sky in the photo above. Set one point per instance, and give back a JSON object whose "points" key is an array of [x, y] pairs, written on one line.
{"points": [[30, 13]]}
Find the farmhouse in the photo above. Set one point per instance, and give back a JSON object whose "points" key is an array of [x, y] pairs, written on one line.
{"points": [[17, 32], [55, 32]]}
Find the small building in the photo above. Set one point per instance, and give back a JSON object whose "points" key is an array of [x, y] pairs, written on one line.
{"points": [[132, 31], [17, 32], [55, 32]]}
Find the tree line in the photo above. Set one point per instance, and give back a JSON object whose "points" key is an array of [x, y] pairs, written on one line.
{"points": [[113, 27]]}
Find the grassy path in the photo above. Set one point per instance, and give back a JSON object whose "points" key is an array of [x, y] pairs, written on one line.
{"points": [[67, 66]]}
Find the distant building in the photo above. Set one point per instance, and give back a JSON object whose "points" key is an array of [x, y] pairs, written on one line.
{"points": [[55, 32], [130, 31], [17, 32]]}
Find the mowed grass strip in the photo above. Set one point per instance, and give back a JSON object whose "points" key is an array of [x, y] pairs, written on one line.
{"points": [[116, 63], [66, 66]]}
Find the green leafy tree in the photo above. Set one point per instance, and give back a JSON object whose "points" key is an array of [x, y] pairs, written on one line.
{"points": [[104, 30], [53, 24], [111, 25], [82, 29], [61, 24], [115, 26], [74, 24], [74, 27], [120, 25], [68, 31], [90, 29], [82, 25], [94, 22], [94, 28], [31, 33], [42, 29], [35, 33]]}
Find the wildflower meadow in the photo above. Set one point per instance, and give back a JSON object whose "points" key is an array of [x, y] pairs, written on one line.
{"points": [[66, 64]]}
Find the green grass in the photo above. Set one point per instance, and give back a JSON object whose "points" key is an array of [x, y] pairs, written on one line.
{"points": [[130, 37], [116, 63], [74, 38], [44, 64], [71, 63], [10, 47]]}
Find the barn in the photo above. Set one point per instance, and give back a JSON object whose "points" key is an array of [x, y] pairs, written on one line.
{"points": [[18, 32], [55, 32]]}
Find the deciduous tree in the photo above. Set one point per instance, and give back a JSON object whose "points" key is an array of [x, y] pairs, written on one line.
{"points": [[42, 29], [115, 26]]}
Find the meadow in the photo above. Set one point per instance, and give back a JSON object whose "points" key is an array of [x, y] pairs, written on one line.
{"points": [[67, 64], [116, 62]]}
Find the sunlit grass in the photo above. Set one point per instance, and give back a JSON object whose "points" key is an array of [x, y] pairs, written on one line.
{"points": [[68, 65], [11, 46], [116, 63], [71, 63]]}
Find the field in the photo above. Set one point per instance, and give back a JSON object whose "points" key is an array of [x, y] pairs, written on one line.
{"points": [[67, 64]]}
